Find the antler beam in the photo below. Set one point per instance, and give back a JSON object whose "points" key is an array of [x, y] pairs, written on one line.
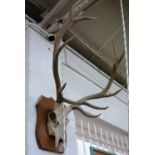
{"points": [[58, 46], [57, 111]]}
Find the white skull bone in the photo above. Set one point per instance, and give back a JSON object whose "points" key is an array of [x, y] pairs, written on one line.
{"points": [[57, 122]]}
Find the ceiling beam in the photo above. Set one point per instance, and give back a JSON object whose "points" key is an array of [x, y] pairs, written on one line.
{"points": [[80, 5], [48, 18]]}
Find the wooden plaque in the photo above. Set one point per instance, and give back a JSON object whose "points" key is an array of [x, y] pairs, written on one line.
{"points": [[45, 141]]}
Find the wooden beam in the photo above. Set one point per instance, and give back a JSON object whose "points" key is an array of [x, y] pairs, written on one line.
{"points": [[80, 5], [48, 18]]}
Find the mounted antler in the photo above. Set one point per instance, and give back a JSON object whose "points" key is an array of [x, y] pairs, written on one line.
{"points": [[57, 116], [58, 47], [61, 111], [104, 93], [75, 105]]}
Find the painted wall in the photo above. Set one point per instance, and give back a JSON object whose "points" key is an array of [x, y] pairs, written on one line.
{"points": [[39, 81]]}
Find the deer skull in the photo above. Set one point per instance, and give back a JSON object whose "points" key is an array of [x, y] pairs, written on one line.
{"points": [[57, 121]]}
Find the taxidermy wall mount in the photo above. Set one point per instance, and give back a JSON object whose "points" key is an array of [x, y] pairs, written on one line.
{"points": [[52, 114]]}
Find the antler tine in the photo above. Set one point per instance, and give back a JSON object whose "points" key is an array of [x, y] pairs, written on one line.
{"points": [[84, 103], [115, 50], [115, 66], [103, 93], [75, 5], [81, 18], [83, 112], [64, 44], [62, 88]]}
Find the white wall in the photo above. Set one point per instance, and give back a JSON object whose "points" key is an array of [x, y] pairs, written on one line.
{"points": [[39, 81]]}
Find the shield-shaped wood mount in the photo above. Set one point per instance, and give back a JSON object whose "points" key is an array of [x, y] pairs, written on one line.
{"points": [[44, 141]]}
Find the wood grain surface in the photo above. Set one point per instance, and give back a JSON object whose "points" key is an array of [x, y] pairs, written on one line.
{"points": [[44, 141]]}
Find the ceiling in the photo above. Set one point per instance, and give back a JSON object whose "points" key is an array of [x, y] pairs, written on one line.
{"points": [[94, 39]]}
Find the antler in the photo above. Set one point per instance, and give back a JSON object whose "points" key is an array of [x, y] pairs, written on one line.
{"points": [[102, 94], [58, 46]]}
